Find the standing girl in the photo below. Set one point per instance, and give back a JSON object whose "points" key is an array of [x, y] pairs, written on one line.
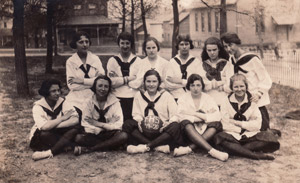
{"points": [[217, 69], [181, 67], [82, 69]]}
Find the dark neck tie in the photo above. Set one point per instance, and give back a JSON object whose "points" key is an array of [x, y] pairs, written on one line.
{"points": [[150, 105], [54, 113], [183, 67], [101, 113], [85, 71]]}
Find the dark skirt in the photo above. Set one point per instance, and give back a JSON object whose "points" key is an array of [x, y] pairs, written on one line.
{"points": [[126, 105], [40, 142], [89, 139], [263, 136], [184, 141], [173, 129]]}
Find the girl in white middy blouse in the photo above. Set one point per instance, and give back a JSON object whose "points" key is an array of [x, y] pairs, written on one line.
{"points": [[82, 68], [154, 125], [200, 119], [241, 121]]}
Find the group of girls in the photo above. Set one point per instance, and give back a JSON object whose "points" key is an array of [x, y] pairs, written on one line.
{"points": [[151, 104]]}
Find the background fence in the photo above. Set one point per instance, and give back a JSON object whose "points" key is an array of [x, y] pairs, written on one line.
{"points": [[284, 70]]}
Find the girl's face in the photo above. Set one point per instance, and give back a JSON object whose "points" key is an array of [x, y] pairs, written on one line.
{"points": [[212, 51], [125, 46], [184, 48], [151, 84], [102, 87], [239, 88], [231, 48], [196, 88], [151, 49], [83, 44], [54, 92]]}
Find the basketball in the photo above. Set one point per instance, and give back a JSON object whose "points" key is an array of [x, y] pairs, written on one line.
{"points": [[151, 124]]}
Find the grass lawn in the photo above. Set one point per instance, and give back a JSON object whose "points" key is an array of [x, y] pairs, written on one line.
{"points": [[16, 164]]}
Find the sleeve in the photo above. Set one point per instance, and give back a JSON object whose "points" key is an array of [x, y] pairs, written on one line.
{"points": [[172, 108], [116, 111], [137, 112], [226, 75], [39, 116], [135, 70], [254, 122], [181, 108], [171, 72], [227, 125], [88, 111], [212, 111], [265, 81], [113, 66], [71, 72], [98, 71]]}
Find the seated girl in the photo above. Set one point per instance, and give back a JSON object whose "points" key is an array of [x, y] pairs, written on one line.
{"points": [[242, 121], [200, 119], [154, 123], [54, 128], [102, 120]]}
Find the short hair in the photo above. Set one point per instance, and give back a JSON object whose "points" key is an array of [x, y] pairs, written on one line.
{"points": [[184, 37], [192, 78], [46, 85], [215, 41], [238, 77], [125, 36], [148, 40], [104, 77], [76, 38], [230, 37], [152, 72]]}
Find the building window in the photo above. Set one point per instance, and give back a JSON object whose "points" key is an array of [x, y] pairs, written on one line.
{"points": [[196, 22], [4, 25], [217, 15], [202, 22], [92, 8], [77, 7], [209, 21]]}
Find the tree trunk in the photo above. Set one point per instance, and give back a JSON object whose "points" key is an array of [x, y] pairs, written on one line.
{"points": [[123, 15], [19, 48], [132, 26], [176, 26], [144, 20], [49, 60], [55, 38], [223, 17]]}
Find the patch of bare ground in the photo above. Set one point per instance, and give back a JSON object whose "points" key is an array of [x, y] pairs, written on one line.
{"points": [[16, 164]]}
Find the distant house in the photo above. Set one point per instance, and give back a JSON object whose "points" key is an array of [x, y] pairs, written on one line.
{"points": [[154, 29], [184, 27], [278, 20], [6, 36], [90, 16]]}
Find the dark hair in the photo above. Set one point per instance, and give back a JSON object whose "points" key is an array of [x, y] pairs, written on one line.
{"points": [[93, 88], [215, 41], [77, 36], [192, 78], [148, 40], [230, 37], [152, 72], [184, 37], [237, 77], [125, 36], [46, 85]]}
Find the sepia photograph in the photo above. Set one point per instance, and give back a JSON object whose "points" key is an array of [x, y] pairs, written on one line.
{"points": [[149, 91]]}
